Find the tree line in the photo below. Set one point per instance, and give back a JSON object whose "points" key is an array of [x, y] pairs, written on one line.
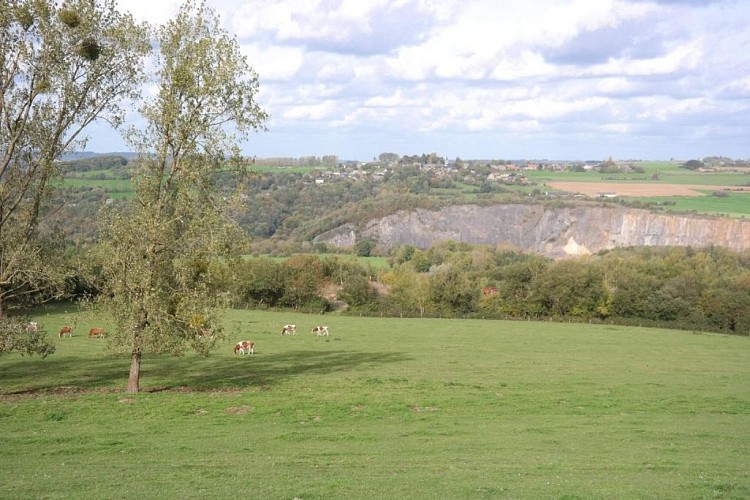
{"points": [[705, 289], [699, 289]]}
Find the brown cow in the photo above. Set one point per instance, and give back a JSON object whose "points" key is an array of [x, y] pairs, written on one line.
{"points": [[66, 330], [97, 333]]}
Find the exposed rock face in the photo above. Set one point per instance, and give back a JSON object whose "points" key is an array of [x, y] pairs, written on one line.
{"points": [[556, 232]]}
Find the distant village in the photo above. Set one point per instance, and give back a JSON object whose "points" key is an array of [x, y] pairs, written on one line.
{"points": [[509, 172]]}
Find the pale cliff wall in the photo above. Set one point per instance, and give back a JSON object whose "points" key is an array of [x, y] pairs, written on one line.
{"points": [[555, 232]]}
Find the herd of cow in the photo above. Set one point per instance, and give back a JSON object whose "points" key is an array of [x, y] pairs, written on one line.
{"points": [[67, 331], [248, 346], [242, 347], [319, 331]]}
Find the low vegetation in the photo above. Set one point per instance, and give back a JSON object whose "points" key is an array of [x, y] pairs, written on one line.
{"points": [[703, 289]]}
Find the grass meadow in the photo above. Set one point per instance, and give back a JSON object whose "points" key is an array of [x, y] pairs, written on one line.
{"points": [[732, 204], [384, 408]]}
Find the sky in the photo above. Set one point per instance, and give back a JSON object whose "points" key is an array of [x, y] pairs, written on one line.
{"points": [[490, 79]]}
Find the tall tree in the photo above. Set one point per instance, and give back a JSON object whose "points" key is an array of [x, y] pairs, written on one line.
{"points": [[160, 254], [61, 68]]}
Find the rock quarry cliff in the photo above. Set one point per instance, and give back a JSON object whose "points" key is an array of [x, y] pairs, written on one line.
{"points": [[551, 231]]}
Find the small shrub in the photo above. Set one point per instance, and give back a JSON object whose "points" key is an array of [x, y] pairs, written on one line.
{"points": [[89, 49], [69, 18], [24, 17]]}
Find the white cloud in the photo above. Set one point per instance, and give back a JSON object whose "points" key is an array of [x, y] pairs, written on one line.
{"points": [[274, 62], [537, 73], [156, 12]]}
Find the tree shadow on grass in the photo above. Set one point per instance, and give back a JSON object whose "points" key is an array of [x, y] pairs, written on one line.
{"points": [[186, 373], [61, 375], [261, 371]]}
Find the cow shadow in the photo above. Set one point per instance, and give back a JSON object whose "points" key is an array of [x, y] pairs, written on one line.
{"points": [[185, 373]]}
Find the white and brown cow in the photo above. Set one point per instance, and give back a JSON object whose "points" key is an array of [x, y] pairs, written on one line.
{"points": [[289, 330], [66, 331], [320, 331], [245, 347]]}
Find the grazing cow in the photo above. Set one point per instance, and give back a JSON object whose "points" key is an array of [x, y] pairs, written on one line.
{"points": [[66, 330], [245, 347], [289, 330], [32, 327], [97, 333], [319, 331]]}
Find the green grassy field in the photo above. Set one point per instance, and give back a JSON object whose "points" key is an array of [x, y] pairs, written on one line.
{"points": [[285, 170], [112, 185], [732, 205], [674, 176], [385, 408]]}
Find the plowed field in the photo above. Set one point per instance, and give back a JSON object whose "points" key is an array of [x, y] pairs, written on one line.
{"points": [[638, 189]]}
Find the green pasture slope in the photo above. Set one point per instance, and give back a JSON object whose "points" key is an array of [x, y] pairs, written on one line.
{"points": [[115, 187], [385, 408], [665, 172], [732, 204]]}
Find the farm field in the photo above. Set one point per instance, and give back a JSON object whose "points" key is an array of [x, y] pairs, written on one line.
{"points": [[594, 189], [663, 184], [121, 186], [732, 205], [384, 408], [734, 202]]}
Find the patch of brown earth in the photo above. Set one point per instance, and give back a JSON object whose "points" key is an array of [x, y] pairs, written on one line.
{"points": [[597, 189]]}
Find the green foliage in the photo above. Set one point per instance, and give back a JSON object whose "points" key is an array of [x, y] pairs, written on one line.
{"points": [[89, 49], [570, 288], [693, 164], [358, 293], [261, 282], [305, 276], [727, 305], [98, 162], [69, 17], [17, 336], [452, 290], [707, 289], [48, 99], [363, 248]]}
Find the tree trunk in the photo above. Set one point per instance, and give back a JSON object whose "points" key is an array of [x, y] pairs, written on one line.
{"points": [[135, 372]]}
